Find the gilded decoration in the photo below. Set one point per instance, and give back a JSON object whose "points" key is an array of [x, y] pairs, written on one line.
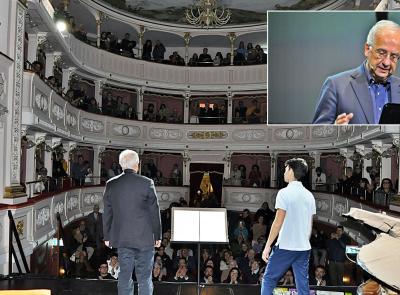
{"points": [[20, 228]]}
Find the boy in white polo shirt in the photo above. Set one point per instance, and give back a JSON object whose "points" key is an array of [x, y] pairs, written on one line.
{"points": [[295, 207]]}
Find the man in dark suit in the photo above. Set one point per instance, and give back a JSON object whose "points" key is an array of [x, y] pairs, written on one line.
{"points": [[95, 226], [357, 96], [132, 223]]}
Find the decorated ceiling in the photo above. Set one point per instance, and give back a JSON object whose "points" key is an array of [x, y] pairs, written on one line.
{"points": [[243, 12]]}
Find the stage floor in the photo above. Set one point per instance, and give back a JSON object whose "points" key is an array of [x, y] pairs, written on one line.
{"points": [[96, 287]]}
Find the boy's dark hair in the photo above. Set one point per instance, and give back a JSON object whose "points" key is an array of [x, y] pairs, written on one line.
{"points": [[299, 167]]}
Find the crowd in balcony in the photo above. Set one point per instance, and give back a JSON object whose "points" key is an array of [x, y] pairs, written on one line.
{"points": [[126, 47], [114, 105], [376, 190], [163, 114], [239, 262], [243, 55], [254, 178]]}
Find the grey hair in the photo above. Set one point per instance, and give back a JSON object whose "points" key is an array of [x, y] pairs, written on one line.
{"points": [[128, 159], [379, 26]]}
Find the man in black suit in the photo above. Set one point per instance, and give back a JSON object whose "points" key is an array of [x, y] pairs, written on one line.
{"points": [[95, 226], [132, 223]]}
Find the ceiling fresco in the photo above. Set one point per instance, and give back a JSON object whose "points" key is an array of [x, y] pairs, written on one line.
{"points": [[243, 12]]}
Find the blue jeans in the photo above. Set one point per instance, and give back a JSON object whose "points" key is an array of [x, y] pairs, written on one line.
{"points": [[142, 262], [279, 262]]}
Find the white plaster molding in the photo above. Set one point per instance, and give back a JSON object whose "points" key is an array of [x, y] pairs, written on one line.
{"points": [[295, 133], [42, 216], [126, 130], [92, 125], [249, 135], [58, 111], [166, 134], [324, 131]]}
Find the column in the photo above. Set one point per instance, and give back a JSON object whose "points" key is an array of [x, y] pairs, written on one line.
{"points": [[186, 106], [186, 168], [229, 110], [232, 38], [69, 148], [48, 155], [396, 143], [274, 158], [30, 167], [366, 161], [227, 166], [386, 164], [66, 77], [51, 58], [99, 18], [98, 92], [187, 38], [317, 162], [139, 103], [141, 37], [12, 192], [97, 151]]}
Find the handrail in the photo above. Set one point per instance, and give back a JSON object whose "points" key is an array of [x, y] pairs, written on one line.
{"points": [[11, 250]]}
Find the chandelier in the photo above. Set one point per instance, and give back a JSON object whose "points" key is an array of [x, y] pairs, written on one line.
{"points": [[207, 13]]}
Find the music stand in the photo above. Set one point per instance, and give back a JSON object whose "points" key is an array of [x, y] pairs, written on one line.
{"points": [[200, 226]]}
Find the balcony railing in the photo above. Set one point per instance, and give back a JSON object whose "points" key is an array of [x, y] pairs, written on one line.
{"points": [[47, 110]]}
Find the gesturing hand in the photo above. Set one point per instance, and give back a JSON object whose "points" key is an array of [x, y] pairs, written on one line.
{"points": [[344, 119]]}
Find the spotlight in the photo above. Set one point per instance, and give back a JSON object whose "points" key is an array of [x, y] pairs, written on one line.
{"points": [[61, 26]]}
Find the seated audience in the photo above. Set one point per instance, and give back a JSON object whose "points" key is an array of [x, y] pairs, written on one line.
{"points": [[182, 274], [159, 273], [234, 277], [193, 60], [208, 277], [103, 272], [318, 279]]}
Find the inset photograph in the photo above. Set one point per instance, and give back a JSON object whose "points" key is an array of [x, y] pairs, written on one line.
{"points": [[333, 67]]}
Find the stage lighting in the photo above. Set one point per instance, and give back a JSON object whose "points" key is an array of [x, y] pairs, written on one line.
{"points": [[61, 25]]}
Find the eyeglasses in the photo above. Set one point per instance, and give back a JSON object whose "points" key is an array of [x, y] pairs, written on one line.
{"points": [[382, 54]]}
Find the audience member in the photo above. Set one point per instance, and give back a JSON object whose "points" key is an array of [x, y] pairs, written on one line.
{"points": [[320, 180], [205, 57], [159, 273], [113, 266], [385, 193], [236, 176], [317, 241], [318, 279], [234, 276], [95, 226], [336, 247], [158, 51], [147, 49], [78, 171], [103, 272], [255, 176]]}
